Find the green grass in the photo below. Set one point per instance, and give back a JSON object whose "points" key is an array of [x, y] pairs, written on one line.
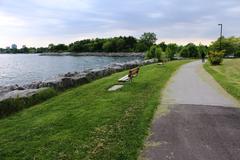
{"points": [[88, 122], [227, 75]]}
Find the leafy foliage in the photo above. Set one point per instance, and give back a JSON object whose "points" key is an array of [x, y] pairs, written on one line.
{"points": [[148, 39], [116, 44], [171, 50], [215, 58], [57, 48], [190, 50], [202, 50], [230, 45], [163, 45], [156, 52]]}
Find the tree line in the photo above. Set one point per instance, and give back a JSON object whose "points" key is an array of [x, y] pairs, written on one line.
{"points": [[146, 43], [229, 47], [116, 44]]}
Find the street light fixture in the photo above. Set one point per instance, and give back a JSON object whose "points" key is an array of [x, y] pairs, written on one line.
{"points": [[221, 36]]}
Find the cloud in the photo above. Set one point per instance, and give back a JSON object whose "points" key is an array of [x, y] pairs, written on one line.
{"points": [[10, 21], [40, 22], [156, 15]]}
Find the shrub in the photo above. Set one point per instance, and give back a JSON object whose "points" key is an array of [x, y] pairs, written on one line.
{"points": [[155, 52], [215, 58], [12, 105]]}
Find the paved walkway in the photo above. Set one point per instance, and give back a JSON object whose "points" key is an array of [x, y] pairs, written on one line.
{"points": [[203, 122], [193, 85]]}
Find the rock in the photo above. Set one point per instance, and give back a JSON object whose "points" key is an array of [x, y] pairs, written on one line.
{"points": [[20, 88], [80, 79], [67, 82], [69, 79], [5, 89], [21, 93], [115, 87], [150, 61], [34, 85]]}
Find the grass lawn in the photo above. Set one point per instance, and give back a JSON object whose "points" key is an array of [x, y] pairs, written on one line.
{"points": [[88, 122], [227, 75]]}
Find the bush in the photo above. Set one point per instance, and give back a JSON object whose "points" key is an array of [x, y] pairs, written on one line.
{"points": [[215, 58], [12, 105], [156, 52]]}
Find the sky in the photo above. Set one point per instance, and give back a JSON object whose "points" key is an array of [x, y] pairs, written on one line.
{"points": [[41, 22]]}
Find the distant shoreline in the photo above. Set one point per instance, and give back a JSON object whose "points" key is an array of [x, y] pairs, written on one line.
{"points": [[118, 54], [100, 54]]}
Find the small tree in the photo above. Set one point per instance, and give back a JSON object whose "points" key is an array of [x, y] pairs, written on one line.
{"points": [[184, 52], [156, 52], [171, 50]]}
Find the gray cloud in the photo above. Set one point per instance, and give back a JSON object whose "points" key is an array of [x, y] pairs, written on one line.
{"points": [[39, 22]]}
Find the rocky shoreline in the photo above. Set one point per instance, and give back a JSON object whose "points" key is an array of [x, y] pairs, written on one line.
{"points": [[68, 80], [118, 54]]}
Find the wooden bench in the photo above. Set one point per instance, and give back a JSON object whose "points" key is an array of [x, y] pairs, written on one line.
{"points": [[132, 73]]}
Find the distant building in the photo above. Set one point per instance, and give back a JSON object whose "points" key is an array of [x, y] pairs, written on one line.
{"points": [[14, 46]]}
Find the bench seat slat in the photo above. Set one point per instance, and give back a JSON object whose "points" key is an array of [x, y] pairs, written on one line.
{"points": [[124, 79]]}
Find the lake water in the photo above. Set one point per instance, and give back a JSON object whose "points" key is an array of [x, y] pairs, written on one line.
{"points": [[24, 69]]}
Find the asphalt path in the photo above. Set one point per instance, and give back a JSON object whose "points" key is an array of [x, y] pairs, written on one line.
{"points": [[202, 121]]}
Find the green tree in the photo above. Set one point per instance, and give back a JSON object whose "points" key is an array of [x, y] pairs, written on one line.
{"points": [[51, 47], [108, 46], [202, 50], [155, 52], [190, 50], [184, 52], [230, 45], [42, 50], [148, 39], [171, 50], [24, 49], [193, 50], [163, 46], [60, 48], [141, 47]]}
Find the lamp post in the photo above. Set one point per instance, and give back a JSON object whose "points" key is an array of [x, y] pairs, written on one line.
{"points": [[221, 36]]}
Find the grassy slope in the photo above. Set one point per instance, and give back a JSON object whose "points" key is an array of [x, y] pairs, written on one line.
{"points": [[227, 75], [88, 122]]}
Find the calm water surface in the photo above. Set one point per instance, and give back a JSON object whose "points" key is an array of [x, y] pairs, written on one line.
{"points": [[24, 69]]}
